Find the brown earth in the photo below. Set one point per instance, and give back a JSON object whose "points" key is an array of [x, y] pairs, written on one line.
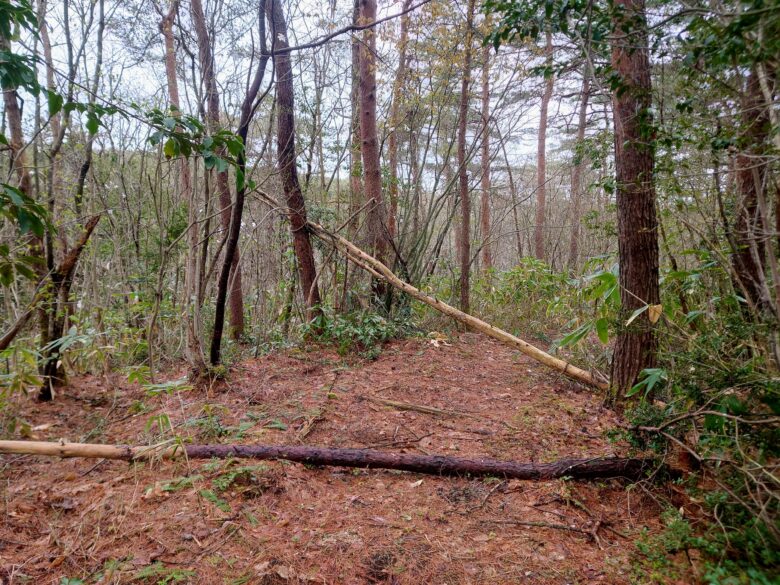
{"points": [[237, 522]]}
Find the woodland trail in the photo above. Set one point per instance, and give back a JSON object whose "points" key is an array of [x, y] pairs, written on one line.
{"points": [[269, 522]]}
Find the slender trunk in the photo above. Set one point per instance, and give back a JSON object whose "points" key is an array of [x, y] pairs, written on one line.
{"points": [[463, 177], [206, 59], [355, 154], [61, 280], [377, 223], [576, 174], [395, 122], [636, 345], [487, 255], [296, 205], [541, 155], [193, 350]]}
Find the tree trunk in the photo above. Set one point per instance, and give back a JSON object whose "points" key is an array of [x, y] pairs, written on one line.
{"points": [[395, 122], [463, 177], [576, 173], [206, 59], [372, 175], [355, 153], [636, 345], [296, 206], [193, 350], [578, 469], [541, 155], [61, 280], [487, 256], [750, 229]]}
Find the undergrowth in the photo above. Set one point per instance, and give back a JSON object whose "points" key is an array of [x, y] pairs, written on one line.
{"points": [[362, 332]]}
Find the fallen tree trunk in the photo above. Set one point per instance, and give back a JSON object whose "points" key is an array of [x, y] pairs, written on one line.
{"points": [[378, 269], [593, 468]]}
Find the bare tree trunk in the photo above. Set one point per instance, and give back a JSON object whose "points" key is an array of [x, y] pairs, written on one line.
{"points": [[355, 153], [61, 280], [463, 177], [395, 121], [194, 350], [296, 205], [206, 59], [541, 155], [377, 220], [487, 256], [636, 345], [576, 173]]}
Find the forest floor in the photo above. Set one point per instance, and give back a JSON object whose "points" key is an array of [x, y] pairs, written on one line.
{"points": [[236, 522]]}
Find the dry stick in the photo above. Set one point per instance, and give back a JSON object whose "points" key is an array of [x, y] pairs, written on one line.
{"points": [[417, 407], [582, 469], [588, 533]]}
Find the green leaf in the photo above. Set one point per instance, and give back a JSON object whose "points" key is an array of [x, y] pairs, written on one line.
{"points": [[235, 146], [693, 315], [576, 336], [221, 164], [650, 378], [216, 500], [170, 149], [602, 330], [636, 314], [55, 103], [277, 425], [92, 123]]}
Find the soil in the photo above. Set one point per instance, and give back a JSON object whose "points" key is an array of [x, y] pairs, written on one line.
{"points": [[237, 522]]}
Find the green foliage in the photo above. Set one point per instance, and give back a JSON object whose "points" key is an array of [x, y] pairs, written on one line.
{"points": [[210, 496], [22, 375], [655, 559], [719, 400], [363, 331], [528, 298], [158, 574], [29, 218], [170, 387], [185, 135]]}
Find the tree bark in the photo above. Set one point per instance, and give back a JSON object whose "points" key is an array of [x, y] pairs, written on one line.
{"points": [[395, 122], [463, 177], [636, 345], [206, 59], [750, 227], [372, 175], [487, 255], [576, 173], [296, 205], [541, 155], [578, 469]]}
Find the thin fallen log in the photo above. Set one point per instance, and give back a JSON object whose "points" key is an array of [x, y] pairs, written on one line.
{"points": [[378, 269], [593, 468]]}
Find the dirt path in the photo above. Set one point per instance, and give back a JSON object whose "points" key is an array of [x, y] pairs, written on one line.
{"points": [[234, 522]]}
